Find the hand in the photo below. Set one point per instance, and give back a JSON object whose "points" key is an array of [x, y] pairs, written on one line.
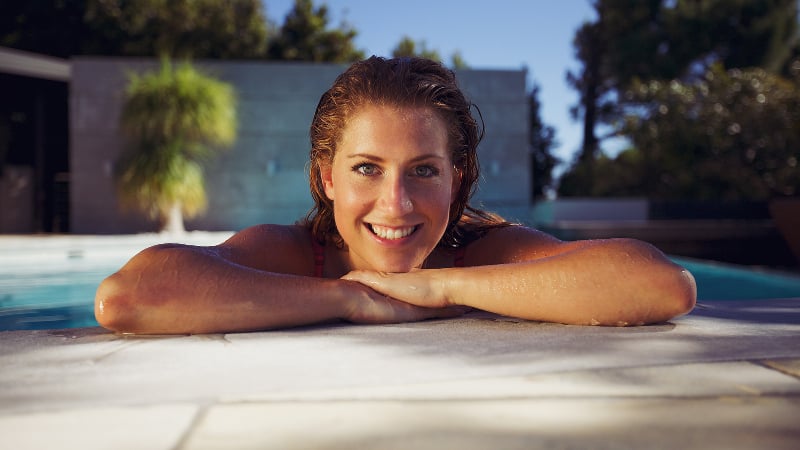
{"points": [[370, 306], [418, 287]]}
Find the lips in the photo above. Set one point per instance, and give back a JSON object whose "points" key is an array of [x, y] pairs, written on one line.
{"points": [[390, 233]]}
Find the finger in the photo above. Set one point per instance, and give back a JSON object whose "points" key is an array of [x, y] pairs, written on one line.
{"points": [[364, 277]]}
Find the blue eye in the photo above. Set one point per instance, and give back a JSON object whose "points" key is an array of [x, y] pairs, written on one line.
{"points": [[365, 169], [425, 171]]}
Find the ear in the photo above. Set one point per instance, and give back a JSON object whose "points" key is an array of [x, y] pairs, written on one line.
{"points": [[327, 180]]}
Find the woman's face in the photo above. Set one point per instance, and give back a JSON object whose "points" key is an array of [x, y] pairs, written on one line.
{"points": [[391, 182]]}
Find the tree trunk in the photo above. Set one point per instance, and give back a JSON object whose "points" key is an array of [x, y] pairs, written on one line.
{"points": [[173, 222]]}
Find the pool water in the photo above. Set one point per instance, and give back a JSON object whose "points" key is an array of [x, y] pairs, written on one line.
{"points": [[717, 281], [51, 296], [61, 295]]}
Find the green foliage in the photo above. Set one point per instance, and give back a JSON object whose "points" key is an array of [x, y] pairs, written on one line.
{"points": [[179, 102], [305, 36], [638, 51], [51, 27], [172, 118], [179, 28], [593, 87], [618, 177], [457, 61], [154, 180], [733, 135], [660, 39], [542, 140], [408, 47]]}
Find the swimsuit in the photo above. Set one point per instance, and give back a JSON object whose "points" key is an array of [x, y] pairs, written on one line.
{"points": [[319, 257]]}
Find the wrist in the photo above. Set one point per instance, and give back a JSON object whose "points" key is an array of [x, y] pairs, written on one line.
{"points": [[346, 298], [442, 286]]}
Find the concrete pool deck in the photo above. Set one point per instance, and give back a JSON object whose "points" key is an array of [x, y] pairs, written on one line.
{"points": [[725, 376]]}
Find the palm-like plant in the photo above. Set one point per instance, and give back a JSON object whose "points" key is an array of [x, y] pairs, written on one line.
{"points": [[174, 118]]}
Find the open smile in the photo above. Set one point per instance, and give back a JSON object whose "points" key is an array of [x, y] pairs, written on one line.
{"points": [[391, 233]]}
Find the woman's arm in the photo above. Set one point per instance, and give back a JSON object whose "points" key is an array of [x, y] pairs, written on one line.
{"points": [[523, 273], [254, 281]]}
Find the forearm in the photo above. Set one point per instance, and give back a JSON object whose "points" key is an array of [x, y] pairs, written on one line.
{"points": [[183, 290], [600, 284]]}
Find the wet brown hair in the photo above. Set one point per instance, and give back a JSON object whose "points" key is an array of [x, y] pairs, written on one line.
{"points": [[400, 82]]}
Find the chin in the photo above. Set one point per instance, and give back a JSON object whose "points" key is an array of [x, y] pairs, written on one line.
{"points": [[396, 267]]}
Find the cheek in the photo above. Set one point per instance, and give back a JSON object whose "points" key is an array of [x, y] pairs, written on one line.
{"points": [[352, 198]]}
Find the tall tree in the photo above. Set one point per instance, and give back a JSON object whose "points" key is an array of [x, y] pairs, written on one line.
{"points": [[634, 42], [410, 47], [181, 28], [593, 88], [542, 138], [731, 135], [457, 61], [49, 27], [305, 36]]}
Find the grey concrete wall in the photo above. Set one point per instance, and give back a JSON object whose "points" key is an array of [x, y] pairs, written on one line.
{"points": [[262, 178]]}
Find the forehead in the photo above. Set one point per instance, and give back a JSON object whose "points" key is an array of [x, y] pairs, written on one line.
{"points": [[394, 125]]}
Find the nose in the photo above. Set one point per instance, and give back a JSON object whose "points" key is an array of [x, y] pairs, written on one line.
{"points": [[396, 196]]}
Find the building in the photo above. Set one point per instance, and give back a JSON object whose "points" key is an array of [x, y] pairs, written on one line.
{"points": [[262, 178], [34, 148], [61, 139]]}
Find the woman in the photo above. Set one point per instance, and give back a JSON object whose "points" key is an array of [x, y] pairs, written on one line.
{"points": [[391, 237]]}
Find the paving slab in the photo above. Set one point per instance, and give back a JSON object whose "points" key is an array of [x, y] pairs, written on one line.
{"points": [[150, 427], [765, 423], [727, 379], [723, 376], [88, 367], [787, 366]]}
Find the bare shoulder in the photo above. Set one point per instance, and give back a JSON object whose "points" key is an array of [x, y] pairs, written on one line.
{"points": [[270, 247], [512, 244]]}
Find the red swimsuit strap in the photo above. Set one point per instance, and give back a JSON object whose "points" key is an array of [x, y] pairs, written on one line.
{"points": [[319, 257]]}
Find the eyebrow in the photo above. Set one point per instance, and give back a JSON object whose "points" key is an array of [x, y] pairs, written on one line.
{"points": [[372, 157]]}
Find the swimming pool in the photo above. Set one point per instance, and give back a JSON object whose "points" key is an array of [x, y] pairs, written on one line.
{"points": [[59, 293], [51, 298], [49, 282]]}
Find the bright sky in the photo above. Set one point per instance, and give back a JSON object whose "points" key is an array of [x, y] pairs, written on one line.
{"points": [[496, 34]]}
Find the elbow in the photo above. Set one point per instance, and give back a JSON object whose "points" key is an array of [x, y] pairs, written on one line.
{"points": [[122, 300], [672, 289], [674, 294], [113, 309], [684, 293]]}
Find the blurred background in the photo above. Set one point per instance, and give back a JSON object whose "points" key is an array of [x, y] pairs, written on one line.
{"points": [[676, 122]]}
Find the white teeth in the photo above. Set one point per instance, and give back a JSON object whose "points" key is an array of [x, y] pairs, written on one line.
{"points": [[392, 233]]}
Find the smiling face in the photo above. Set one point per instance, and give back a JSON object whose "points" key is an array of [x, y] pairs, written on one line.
{"points": [[391, 182]]}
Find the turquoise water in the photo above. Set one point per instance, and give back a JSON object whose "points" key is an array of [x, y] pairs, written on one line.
{"points": [[716, 281], [62, 295]]}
